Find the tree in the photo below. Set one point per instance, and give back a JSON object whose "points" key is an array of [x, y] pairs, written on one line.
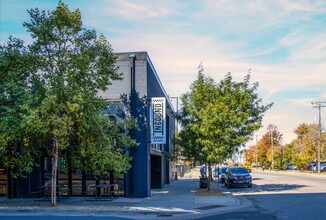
{"points": [[290, 154], [250, 154], [17, 145], [55, 104], [218, 118], [306, 143], [265, 149]]}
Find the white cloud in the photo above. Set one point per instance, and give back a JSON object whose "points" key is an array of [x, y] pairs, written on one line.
{"points": [[303, 5], [176, 47], [306, 102], [306, 46], [136, 10], [323, 95]]}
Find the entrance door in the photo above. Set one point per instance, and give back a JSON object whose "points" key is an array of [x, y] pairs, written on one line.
{"points": [[156, 172]]}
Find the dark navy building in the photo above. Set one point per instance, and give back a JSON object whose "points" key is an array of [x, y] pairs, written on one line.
{"points": [[150, 168]]}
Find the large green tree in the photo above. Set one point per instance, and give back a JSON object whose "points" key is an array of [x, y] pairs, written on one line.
{"points": [[17, 145], [49, 97], [217, 118]]}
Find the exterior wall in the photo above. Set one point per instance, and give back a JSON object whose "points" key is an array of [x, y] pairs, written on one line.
{"points": [[123, 86], [155, 89], [147, 85]]}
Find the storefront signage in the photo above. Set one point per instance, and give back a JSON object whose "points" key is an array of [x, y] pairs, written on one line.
{"points": [[158, 127]]}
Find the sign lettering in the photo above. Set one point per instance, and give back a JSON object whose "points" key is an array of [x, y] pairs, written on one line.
{"points": [[158, 120]]}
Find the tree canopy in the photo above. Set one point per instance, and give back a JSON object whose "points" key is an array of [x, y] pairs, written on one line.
{"points": [[217, 118], [301, 151], [265, 148], [49, 98]]}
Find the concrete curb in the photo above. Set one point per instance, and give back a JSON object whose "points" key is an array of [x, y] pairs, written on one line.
{"points": [[232, 203]]}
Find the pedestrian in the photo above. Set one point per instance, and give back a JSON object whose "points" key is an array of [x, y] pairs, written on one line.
{"points": [[263, 168]]}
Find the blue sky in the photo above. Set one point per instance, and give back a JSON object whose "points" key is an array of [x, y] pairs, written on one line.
{"points": [[281, 41]]}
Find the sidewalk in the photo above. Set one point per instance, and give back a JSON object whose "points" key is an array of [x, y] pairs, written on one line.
{"points": [[176, 201]]}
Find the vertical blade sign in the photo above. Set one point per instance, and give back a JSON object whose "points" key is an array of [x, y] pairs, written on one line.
{"points": [[158, 127]]}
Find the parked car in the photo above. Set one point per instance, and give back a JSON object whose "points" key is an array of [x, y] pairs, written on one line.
{"points": [[220, 173], [323, 166], [237, 176], [312, 166], [291, 166]]}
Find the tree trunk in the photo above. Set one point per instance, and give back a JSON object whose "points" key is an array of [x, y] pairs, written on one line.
{"points": [[54, 171]]}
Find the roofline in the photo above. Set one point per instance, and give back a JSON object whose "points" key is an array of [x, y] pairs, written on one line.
{"points": [[155, 73], [160, 83]]}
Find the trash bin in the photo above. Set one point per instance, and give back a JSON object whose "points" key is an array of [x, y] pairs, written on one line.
{"points": [[203, 183]]}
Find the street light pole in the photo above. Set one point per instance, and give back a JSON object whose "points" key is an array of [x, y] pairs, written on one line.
{"points": [[176, 131], [176, 121]]}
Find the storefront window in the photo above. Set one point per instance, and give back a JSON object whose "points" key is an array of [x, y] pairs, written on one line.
{"points": [[47, 170], [3, 182], [76, 177], [119, 184], [77, 189], [62, 172]]}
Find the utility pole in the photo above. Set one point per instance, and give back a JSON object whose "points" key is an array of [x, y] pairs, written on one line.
{"points": [[271, 128], [256, 152], [319, 105]]}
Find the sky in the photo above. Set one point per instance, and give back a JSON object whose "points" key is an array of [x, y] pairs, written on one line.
{"points": [[281, 43]]}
